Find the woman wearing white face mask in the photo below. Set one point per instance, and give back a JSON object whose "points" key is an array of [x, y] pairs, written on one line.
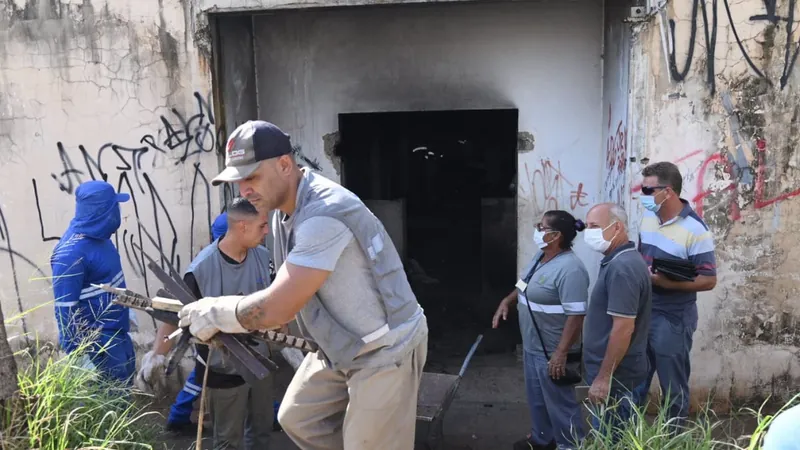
{"points": [[551, 297]]}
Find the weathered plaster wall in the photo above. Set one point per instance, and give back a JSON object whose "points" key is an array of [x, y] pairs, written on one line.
{"points": [[616, 58], [98, 89], [542, 58], [721, 98]]}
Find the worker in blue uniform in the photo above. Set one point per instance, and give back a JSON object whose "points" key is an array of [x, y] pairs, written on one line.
{"points": [[83, 257]]}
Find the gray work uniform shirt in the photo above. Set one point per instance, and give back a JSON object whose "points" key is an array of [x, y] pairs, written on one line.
{"points": [[559, 288], [623, 289]]}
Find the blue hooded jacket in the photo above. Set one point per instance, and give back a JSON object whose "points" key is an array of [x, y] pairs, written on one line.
{"points": [[84, 256], [219, 227]]}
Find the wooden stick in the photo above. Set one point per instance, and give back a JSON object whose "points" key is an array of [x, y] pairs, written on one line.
{"points": [[202, 412], [167, 304]]}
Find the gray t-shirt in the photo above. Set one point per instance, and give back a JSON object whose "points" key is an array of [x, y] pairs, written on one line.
{"points": [[350, 292], [623, 289], [559, 288]]}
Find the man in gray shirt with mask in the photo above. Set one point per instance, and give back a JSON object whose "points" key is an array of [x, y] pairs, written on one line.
{"points": [[618, 317]]}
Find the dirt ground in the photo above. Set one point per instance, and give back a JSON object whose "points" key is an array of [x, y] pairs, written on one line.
{"points": [[488, 413]]}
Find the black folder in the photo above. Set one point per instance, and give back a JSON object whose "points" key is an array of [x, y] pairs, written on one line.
{"points": [[675, 269]]}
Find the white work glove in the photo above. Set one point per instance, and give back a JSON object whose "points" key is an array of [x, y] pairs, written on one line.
{"points": [[151, 377], [211, 315]]}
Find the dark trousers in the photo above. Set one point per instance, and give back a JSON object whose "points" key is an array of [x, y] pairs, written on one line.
{"points": [[242, 416], [611, 418]]}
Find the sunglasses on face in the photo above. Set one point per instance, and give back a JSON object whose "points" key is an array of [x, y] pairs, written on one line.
{"points": [[650, 190]]}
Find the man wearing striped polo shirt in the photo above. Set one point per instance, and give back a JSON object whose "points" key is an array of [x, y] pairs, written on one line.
{"points": [[671, 229]]}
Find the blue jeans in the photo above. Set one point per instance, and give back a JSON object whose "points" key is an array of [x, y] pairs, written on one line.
{"points": [[181, 410], [782, 433], [555, 412], [668, 346]]}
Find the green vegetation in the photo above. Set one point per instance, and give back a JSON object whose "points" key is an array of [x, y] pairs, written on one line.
{"points": [[704, 432], [62, 405]]}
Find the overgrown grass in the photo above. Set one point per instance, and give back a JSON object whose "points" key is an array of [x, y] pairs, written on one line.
{"points": [[705, 431], [63, 405]]}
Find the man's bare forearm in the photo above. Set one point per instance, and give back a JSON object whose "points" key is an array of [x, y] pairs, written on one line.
{"points": [[256, 311], [572, 329], [618, 342], [700, 284], [276, 305], [160, 346]]}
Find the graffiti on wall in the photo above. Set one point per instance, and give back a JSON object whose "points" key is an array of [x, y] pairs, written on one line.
{"points": [[724, 186], [305, 160], [550, 189], [616, 160], [773, 23], [130, 168]]}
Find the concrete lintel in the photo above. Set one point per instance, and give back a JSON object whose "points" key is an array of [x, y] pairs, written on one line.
{"points": [[230, 6]]}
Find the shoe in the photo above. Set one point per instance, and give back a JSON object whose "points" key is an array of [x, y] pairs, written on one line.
{"points": [[526, 444], [183, 428]]}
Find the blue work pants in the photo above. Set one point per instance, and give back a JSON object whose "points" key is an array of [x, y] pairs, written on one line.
{"points": [[668, 348], [181, 410], [555, 411], [113, 355]]}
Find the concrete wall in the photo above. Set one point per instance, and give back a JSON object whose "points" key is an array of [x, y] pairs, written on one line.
{"points": [[616, 58], [93, 89], [542, 58], [722, 102]]}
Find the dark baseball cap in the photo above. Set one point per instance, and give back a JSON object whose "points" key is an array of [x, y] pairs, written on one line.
{"points": [[249, 144]]}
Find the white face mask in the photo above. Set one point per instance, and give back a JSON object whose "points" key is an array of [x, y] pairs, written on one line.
{"points": [[595, 240], [538, 238]]}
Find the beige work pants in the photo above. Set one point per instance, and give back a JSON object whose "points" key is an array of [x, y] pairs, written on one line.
{"points": [[364, 409]]}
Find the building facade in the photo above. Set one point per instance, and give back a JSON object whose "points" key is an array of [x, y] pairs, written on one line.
{"points": [[143, 94]]}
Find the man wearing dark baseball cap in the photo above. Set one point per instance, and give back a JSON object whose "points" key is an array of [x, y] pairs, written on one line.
{"points": [[341, 278], [249, 144]]}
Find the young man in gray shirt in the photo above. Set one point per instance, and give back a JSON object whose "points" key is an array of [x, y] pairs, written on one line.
{"points": [[618, 317], [237, 263]]}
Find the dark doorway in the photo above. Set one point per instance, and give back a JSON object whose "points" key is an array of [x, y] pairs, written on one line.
{"points": [[443, 183]]}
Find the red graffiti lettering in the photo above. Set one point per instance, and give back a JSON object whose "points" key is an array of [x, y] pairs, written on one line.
{"points": [[733, 177], [638, 187], [760, 201], [549, 186], [716, 158], [577, 198]]}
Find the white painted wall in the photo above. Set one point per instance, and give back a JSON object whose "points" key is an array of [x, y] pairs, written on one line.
{"points": [[116, 79], [542, 58]]}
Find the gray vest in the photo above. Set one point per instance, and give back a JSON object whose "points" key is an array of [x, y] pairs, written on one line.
{"points": [[217, 277], [319, 196]]}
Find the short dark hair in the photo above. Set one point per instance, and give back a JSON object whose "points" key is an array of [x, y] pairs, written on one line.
{"points": [[566, 224], [240, 207], [667, 173]]}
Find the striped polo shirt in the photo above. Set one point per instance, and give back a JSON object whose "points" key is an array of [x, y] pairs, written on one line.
{"points": [[685, 237]]}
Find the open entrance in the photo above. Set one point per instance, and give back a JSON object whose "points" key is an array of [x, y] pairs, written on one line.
{"points": [[443, 184]]}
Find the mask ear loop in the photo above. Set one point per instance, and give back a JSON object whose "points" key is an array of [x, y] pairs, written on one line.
{"points": [[548, 242]]}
